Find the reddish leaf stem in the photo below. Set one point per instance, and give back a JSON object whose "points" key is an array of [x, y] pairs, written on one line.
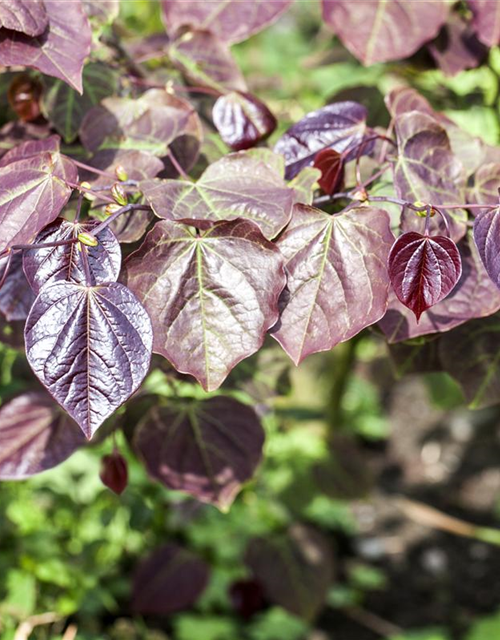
{"points": [[116, 214], [177, 166], [87, 167]]}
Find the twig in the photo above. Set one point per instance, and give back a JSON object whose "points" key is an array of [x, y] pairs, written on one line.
{"points": [[25, 629]]}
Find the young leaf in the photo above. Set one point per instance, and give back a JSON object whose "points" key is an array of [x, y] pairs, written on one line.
{"points": [[114, 472], [16, 296], [211, 297], [486, 21], [35, 435], [30, 149], [90, 347], [52, 264], [26, 16], [337, 277], [385, 30], [340, 126], [423, 270], [237, 186], [230, 20], [33, 192], [487, 239], [168, 580], [331, 165], [208, 448], [242, 120], [60, 52]]}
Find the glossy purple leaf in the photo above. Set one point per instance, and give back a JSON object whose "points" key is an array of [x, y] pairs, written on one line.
{"points": [[60, 52], [90, 347], [487, 239], [230, 20], [16, 296], [32, 194], [114, 472], [242, 120], [237, 186], [52, 264], [337, 277], [296, 569], [486, 21], [457, 48], [35, 435], [170, 579], [208, 448], [423, 270], [26, 16], [331, 165], [211, 297], [340, 126], [382, 30], [30, 149]]}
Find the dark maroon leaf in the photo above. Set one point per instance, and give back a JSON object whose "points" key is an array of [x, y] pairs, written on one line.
{"points": [[486, 21], [423, 270], [247, 598], [331, 165], [25, 16], [242, 120], [60, 52], [295, 569], [456, 48], [170, 579], [24, 97], [340, 126], [211, 297], [16, 296], [32, 194], [385, 30], [230, 20], [114, 472], [208, 448], [487, 239], [337, 277], [51, 264], [484, 189], [237, 186], [90, 346], [35, 435], [30, 149]]}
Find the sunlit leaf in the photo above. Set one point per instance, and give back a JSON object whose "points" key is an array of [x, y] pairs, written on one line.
{"points": [[457, 48], [26, 16], [486, 21]]}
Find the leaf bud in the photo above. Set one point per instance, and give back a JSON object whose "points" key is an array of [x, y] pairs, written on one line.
{"points": [[119, 194], [120, 173], [88, 239], [112, 208], [360, 195], [87, 195]]}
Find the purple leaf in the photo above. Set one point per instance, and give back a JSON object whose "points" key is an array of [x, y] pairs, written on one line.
{"points": [[486, 21], [35, 435], [242, 120], [90, 347], [487, 239], [33, 192], [114, 472], [340, 126], [382, 30], [16, 296], [405, 99], [60, 52], [30, 149], [211, 297], [484, 189], [214, 446], [296, 569], [230, 20], [337, 277], [26, 16], [52, 264], [457, 48], [237, 186], [170, 579], [331, 165]]}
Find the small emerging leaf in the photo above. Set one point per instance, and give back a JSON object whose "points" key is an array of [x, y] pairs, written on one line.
{"points": [[114, 472], [331, 165]]}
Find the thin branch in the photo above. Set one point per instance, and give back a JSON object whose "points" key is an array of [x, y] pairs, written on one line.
{"points": [[177, 165], [99, 172], [118, 213]]}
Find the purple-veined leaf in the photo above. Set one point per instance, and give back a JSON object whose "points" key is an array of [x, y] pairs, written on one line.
{"points": [[114, 472], [340, 126], [331, 165], [486, 183], [242, 120], [423, 270], [205, 60], [16, 296], [382, 30], [207, 448], [230, 20], [60, 52], [33, 192], [457, 49], [31, 148], [211, 297], [90, 347], [486, 21], [295, 568], [304, 184], [35, 435], [475, 296], [405, 99], [237, 186], [52, 264], [170, 579], [487, 239], [26, 16], [337, 277]]}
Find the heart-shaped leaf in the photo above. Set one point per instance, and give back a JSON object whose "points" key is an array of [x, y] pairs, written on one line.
{"points": [[208, 448], [423, 270], [237, 186], [90, 347], [114, 472], [26, 16], [211, 296], [337, 277], [487, 239], [331, 165], [16, 295], [486, 21], [31, 148], [340, 126], [51, 264], [35, 435]]}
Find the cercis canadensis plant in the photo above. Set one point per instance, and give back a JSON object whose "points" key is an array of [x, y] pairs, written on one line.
{"points": [[119, 239]]}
